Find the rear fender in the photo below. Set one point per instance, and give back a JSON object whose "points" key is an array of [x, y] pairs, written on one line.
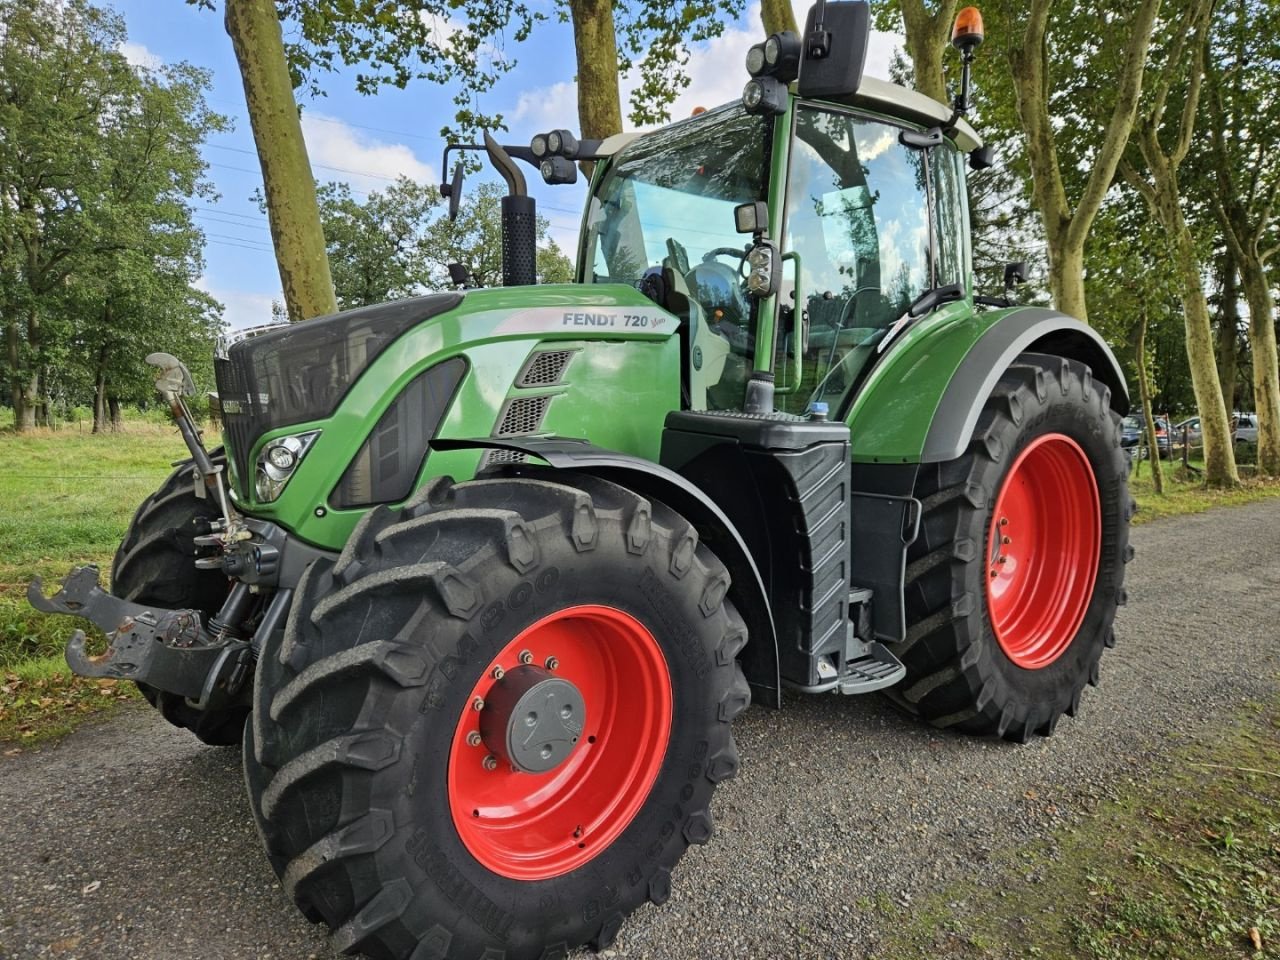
{"points": [[922, 402], [760, 656]]}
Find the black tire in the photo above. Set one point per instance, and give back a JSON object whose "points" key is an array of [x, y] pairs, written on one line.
{"points": [[155, 565], [958, 674], [356, 708]]}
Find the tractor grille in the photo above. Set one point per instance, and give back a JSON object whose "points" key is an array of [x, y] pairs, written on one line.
{"points": [[522, 415], [544, 369], [301, 371]]}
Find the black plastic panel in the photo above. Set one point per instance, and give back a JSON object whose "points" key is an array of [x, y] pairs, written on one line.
{"points": [[784, 482], [301, 372], [390, 460]]}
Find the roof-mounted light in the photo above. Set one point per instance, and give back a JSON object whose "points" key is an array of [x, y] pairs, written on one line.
{"points": [[967, 34], [782, 55]]}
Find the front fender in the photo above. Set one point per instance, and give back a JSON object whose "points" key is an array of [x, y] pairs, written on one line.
{"points": [[747, 591], [922, 401]]}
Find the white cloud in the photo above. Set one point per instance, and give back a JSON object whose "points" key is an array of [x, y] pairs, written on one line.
{"points": [[242, 308], [716, 69], [339, 152], [140, 56]]}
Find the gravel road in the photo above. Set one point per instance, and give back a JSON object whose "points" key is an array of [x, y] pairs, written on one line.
{"points": [[130, 840]]}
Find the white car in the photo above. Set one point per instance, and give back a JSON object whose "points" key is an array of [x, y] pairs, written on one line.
{"points": [[1244, 428]]}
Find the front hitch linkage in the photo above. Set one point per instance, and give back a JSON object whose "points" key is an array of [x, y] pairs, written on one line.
{"points": [[166, 649]]}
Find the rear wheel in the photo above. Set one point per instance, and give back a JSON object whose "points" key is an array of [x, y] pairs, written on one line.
{"points": [[496, 722], [1014, 580], [155, 564]]}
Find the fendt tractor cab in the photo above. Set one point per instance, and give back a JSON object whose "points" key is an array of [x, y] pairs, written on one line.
{"points": [[489, 572]]}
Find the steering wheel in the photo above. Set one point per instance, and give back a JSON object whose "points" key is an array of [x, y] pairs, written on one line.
{"points": [[739, 252]]}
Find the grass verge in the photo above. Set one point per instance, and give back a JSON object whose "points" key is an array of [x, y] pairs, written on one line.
{"points": [[1185, 865], [1185, 493], [65, 499]]}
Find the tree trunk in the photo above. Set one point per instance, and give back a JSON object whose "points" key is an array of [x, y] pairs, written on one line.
{"points": [[100, 405], [13, 342], [1067, 224], [44, 406], [599, 106], [287, 181], [117, 421], [927, 36], [777, 16], [1066, 279], [1266, 371], [1149, 418], [1219, 455], [1228, 333]]}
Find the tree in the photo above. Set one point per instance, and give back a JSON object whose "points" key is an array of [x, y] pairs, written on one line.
{"points": [[1113, 48], [1162, 149], [287, 181], [374, 247], [1242, 86], [398, 242], [97, 162], [777, 15], [475, 241], [928, 34]]}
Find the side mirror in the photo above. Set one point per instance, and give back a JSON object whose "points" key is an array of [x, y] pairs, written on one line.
{"points": [[453, 191], [983, 158], [459, 276], [1014, 273]]}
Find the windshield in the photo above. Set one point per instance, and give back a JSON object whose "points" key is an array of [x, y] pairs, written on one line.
{"points": [[666, 205], [874, 224]]}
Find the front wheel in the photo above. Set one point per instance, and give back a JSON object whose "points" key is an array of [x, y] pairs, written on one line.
{"points": [[496, 722], [1014, 580]]}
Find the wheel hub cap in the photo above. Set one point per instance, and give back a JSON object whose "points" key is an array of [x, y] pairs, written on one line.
{"points": [[532, 719]]}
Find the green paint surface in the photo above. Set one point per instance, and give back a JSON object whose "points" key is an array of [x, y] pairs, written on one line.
{"points": [[617, 389]]}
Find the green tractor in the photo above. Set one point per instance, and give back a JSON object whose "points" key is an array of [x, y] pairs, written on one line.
{"points": [[767, 442]]}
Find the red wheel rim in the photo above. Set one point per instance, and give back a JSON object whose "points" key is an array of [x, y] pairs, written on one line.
{"points": [[1043, 549], [534, 826]]}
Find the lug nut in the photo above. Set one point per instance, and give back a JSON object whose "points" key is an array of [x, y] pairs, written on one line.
{"points": [[491, 762], [473, 738], [1002, 559], [1006, 540], [552, 663], [477, 703], [498, 673], [526, 657]]}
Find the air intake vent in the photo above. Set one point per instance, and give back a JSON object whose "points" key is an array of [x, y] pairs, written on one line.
{"points": [[494, 458], [544, 369], [523, 415]]}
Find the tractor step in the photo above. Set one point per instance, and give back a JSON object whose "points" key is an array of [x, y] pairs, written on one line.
{"points": [[875, 669]]}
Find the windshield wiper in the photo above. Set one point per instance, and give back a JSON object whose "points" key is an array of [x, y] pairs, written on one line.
{"points": [[929, 300]]}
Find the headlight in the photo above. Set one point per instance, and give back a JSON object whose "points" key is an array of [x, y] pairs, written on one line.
{"points": [[277, 462], [762, 280]]}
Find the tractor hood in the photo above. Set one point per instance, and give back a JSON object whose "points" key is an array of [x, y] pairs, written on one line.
{"points": [[301, 373]]}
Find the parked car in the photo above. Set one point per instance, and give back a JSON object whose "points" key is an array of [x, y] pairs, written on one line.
{"points": [[1188, 430], [1244, 428], [1134, 426], [1130, 431], [1162, 438]]}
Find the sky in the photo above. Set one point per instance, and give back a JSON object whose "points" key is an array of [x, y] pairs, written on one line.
{"points": [[368, 141]]}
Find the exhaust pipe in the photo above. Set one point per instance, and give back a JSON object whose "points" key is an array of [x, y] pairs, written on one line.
{"points": [[519, 221]]}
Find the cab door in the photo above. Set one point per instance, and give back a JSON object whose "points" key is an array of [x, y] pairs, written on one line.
{"points": [[862, 232]]}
